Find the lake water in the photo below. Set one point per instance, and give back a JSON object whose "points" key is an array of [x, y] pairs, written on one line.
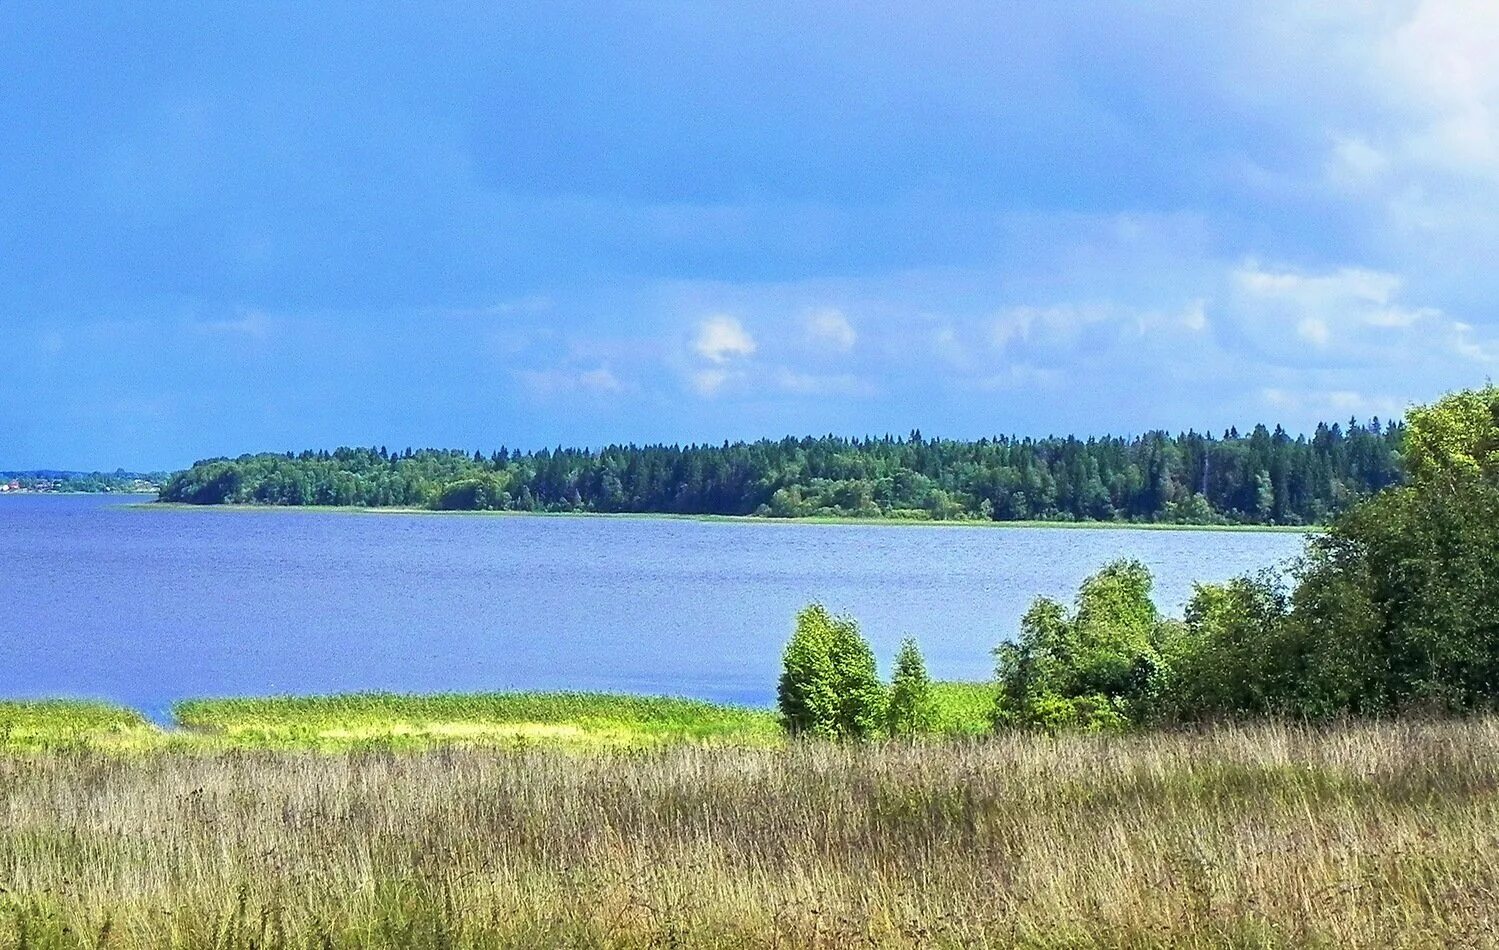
{"points": [[145, 607]]}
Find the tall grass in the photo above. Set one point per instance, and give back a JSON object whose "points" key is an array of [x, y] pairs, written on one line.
{"points": [[475, 718], [1364, 835], [52, 723]]}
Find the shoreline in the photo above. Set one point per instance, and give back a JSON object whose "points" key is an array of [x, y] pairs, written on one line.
{"points": [[341, 721], [821, 520]]}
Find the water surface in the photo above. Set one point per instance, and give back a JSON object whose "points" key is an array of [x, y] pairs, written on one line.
{"points": [[147, 606]]}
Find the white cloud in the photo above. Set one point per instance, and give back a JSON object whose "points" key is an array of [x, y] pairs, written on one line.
{"points": [[1441, 62], [1064, 326], [830, 329], [597, 381], [1195, 317], [708, 382], [1330, 405], [1354, 163], [1052, 325], [1348, 283], [809, 384], [1354, 311], [1314, 330], [721, 338], [1017, 376]]}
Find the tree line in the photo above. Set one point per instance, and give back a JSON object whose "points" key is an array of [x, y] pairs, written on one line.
{"points": [[1262, 477], [1393, 609], [51, 480]]}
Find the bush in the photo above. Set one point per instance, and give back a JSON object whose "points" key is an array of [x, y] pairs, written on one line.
{"points": [[1399, 604], [1230, 660], [910, 710], [1100, 666], [830, 686]]}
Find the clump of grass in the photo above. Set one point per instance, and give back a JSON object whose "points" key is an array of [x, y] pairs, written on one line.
{"points": [[35, 725], [590, 719], [1265, 835]]}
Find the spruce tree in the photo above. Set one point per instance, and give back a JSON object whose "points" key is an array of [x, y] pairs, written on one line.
{"points": [[910, 710]]}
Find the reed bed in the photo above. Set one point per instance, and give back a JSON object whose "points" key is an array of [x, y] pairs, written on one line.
{"points": [[515, 718], [49, 724], [1271, 835]]}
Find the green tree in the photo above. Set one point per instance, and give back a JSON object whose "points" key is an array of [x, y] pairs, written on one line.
{"points": [[1230, 660], [830, 686], [1100, 666], [910, 708], [1455, 438], [1395, 607]]}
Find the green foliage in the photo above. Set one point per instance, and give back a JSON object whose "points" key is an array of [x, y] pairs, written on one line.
{"points": [[35, 725], [48, 480], [1395, 607], [1263, 477], [910, 710], [483, 492], [830, 687], [1230, 659], [962, 709], [1456, 438], [419, 721], [1096, 667], [1398, 604]]}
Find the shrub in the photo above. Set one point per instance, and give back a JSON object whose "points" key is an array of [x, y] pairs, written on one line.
{"points": [[910, 710], [1100, 666], [1230, 658], [830, 686]]}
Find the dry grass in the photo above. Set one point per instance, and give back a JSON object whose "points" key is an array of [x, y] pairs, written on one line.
{"points": [[1367, 835]]}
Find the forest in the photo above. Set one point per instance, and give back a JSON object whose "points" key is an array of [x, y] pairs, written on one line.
{"points": [[1265, 477]]}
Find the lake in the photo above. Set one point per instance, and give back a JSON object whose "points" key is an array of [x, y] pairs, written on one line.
{"points": [[148, 606]]}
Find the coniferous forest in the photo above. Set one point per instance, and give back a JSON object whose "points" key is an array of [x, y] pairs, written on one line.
{"points": [[1264, 477]]}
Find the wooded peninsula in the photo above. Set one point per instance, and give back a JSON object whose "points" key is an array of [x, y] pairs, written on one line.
{"points": [[1267, 477]]}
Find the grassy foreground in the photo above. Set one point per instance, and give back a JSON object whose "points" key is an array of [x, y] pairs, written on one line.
{"points": [[1363, 835]]}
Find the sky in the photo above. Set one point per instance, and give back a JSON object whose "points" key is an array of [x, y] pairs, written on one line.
{"points": [[228, 228]]}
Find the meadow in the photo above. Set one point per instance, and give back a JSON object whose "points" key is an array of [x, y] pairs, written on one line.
{"points": [[602, 820], [1366, 834], [406, 722]]}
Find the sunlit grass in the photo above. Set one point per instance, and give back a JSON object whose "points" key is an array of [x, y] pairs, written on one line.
{"points": [[587, 719], [51, 724], [411, 722], [1373, 834]]}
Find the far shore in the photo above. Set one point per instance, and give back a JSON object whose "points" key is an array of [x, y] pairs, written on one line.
{"points": [[743, 519]]}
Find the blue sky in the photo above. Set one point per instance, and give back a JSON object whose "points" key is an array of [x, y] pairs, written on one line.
{"points": [[227, 230]]}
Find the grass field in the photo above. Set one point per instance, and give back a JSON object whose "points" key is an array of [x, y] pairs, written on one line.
{"points": [[54, 724], [408, 722], [592, 719], [1361, 835]]}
